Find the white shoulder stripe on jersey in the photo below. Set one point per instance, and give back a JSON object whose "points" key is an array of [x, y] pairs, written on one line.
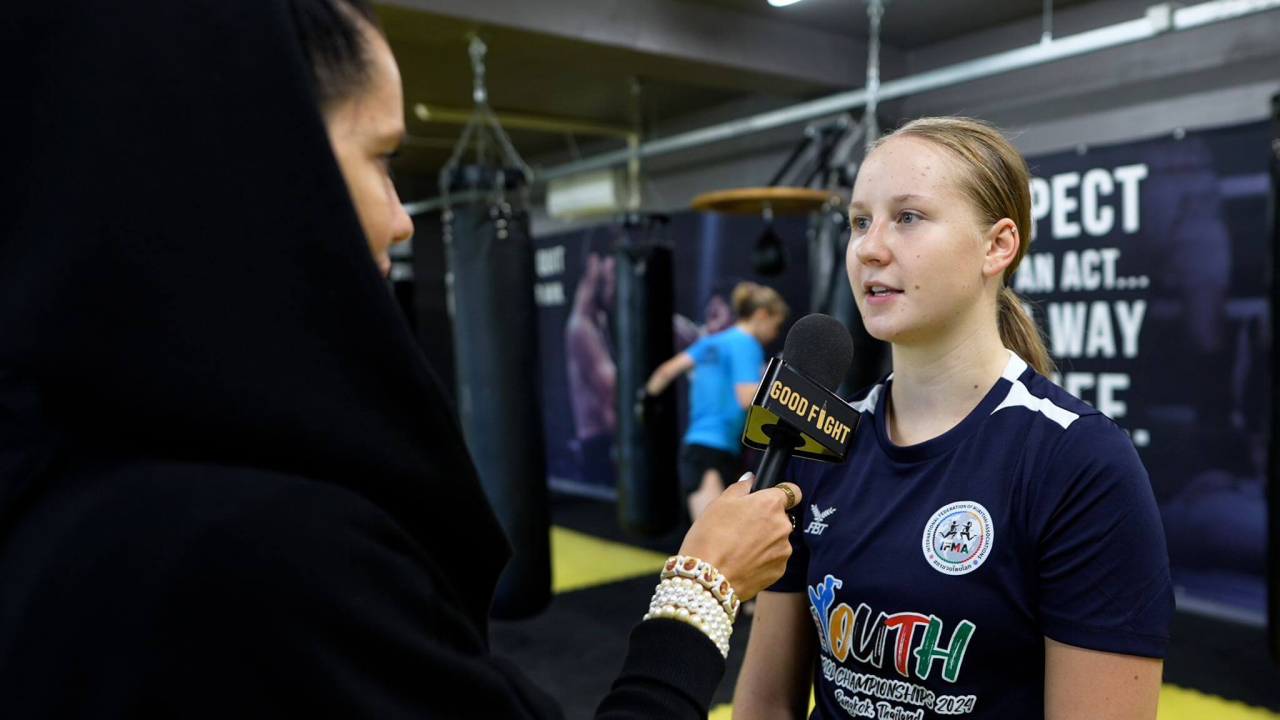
{"points": [[1020, 396], [1014, 368], [868, 403]]}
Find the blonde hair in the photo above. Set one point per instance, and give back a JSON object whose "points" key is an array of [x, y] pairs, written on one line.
{"points": [[748, 297], [994, 175]]}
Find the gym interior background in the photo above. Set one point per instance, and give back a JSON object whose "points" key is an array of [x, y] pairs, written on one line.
{"points": [[603, 135]]}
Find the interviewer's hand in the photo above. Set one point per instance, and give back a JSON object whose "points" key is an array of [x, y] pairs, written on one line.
{"points": [[745, 536]]}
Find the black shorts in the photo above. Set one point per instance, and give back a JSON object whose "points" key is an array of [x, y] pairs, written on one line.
{"points": [[695, 460]]}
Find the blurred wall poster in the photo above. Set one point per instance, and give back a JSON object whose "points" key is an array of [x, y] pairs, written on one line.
{"points": [[575, 296], [1148, 272]]}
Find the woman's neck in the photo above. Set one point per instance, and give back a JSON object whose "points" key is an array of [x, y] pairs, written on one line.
{"points": [[746, 327], [936, 386]]}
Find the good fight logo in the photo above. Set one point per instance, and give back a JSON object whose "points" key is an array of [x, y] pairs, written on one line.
{"points": [[815, 414]]}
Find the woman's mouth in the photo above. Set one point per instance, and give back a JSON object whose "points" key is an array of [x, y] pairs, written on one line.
{"points": [[877, 294]]}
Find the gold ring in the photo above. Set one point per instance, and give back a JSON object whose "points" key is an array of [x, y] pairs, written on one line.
{"points": [[791, 496]]}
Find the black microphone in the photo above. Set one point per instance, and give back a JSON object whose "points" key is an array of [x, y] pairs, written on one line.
{"points": [[795, 410]]}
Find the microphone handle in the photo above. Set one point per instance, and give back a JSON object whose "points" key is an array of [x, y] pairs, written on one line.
{"points": [[773, 468]]}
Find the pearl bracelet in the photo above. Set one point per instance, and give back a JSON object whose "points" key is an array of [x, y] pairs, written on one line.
{"points": [[693, 591], [685, 600]]}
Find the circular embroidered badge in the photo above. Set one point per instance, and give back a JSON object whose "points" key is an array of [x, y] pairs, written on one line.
{"points": [[958, 538]]}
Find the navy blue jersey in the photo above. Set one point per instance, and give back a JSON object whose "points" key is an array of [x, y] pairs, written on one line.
{"points": [[935, 571]]}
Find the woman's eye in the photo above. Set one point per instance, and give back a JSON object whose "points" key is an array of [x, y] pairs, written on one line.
{"points": [[909, 218], [861, 223]]}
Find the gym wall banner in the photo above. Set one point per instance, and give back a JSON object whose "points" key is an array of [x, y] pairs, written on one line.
{"points": [[1148, 271], [575, 294]]}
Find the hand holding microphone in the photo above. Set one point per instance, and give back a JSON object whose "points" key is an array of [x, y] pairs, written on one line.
{"points": [[745, 536]]}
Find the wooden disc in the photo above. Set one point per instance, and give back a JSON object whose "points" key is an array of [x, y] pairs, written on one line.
{"points": [[752, 201]]}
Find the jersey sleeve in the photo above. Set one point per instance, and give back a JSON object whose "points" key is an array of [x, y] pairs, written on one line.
{"points": [[746, 361], [1103, 567]]}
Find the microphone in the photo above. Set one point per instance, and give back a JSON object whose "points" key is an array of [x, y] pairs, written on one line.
{"points": [[795, 410]]}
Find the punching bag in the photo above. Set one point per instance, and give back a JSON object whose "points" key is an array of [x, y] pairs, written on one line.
{"points": [[495, 336], [1273, 444], [648, 488]]}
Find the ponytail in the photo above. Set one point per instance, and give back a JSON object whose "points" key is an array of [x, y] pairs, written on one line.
{"points": [[1020, 333]]}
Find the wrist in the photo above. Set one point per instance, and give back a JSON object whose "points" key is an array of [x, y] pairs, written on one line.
{"points": [[693, 591]]}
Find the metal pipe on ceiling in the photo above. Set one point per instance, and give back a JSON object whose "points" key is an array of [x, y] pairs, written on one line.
{"points": [[521, 121], [1159, 19]]}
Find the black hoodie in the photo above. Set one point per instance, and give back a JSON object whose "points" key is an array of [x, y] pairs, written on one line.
{"points": [[230, 486]]}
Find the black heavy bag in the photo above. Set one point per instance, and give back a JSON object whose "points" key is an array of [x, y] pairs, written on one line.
{"points": [[1273, 444], [648, 488], [495, 338]]}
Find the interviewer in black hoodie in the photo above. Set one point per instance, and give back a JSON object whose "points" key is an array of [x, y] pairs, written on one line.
{"points": [[229, 484]]}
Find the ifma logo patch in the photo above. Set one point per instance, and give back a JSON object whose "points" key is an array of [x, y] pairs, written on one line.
{"points": [[958, 538]]}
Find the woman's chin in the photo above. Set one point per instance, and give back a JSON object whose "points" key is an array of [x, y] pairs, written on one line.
{"points": [[881, 330]]}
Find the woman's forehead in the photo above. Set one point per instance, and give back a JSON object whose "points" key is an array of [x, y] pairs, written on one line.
{"points": [[904, 166]]}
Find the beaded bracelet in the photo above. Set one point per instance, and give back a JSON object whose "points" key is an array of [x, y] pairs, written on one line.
{"points": [[693, 591], [685, 600], [707, 576]]}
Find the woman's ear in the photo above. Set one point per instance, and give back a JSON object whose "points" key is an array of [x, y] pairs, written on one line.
{"points": [[1003, 241]]}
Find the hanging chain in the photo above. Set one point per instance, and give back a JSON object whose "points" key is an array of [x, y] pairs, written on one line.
{"points": [[875, 11], [482, 119]]}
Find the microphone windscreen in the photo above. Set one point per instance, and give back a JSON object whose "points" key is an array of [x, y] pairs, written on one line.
{"points": [[819, 346]]}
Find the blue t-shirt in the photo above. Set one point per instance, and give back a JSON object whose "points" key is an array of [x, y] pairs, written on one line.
{"points": [[721, 361], [935, 571]]}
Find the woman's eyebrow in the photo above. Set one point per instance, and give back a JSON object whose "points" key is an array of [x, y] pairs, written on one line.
{"points": [[897, 199]]}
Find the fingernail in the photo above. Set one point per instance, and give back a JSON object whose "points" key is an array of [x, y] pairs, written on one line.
{"points": [[745, 477]]}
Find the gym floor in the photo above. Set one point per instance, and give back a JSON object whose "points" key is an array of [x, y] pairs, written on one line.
{"points": [[603, 580]]}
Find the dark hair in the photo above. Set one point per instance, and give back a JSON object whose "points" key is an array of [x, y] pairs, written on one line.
{"points": [[332, 39]]}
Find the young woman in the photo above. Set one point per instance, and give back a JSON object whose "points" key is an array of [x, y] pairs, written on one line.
{"points": [[992, 547], [230, 486], [726, 369]]}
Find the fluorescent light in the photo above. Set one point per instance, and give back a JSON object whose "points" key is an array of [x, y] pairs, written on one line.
{"points": [[782, 3]]}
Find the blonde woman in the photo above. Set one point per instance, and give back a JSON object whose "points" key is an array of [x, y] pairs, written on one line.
{"points": [[992, 548]]}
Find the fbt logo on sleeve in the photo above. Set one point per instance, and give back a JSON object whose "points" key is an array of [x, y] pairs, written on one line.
{"points": [[958, 538]]}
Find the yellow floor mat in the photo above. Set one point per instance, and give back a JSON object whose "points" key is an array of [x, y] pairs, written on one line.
{"points": [[580, 561], [1178, 703]]}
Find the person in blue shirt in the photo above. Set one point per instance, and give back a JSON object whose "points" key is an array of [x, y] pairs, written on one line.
{"points": [[991, 547], [726, 369]]}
